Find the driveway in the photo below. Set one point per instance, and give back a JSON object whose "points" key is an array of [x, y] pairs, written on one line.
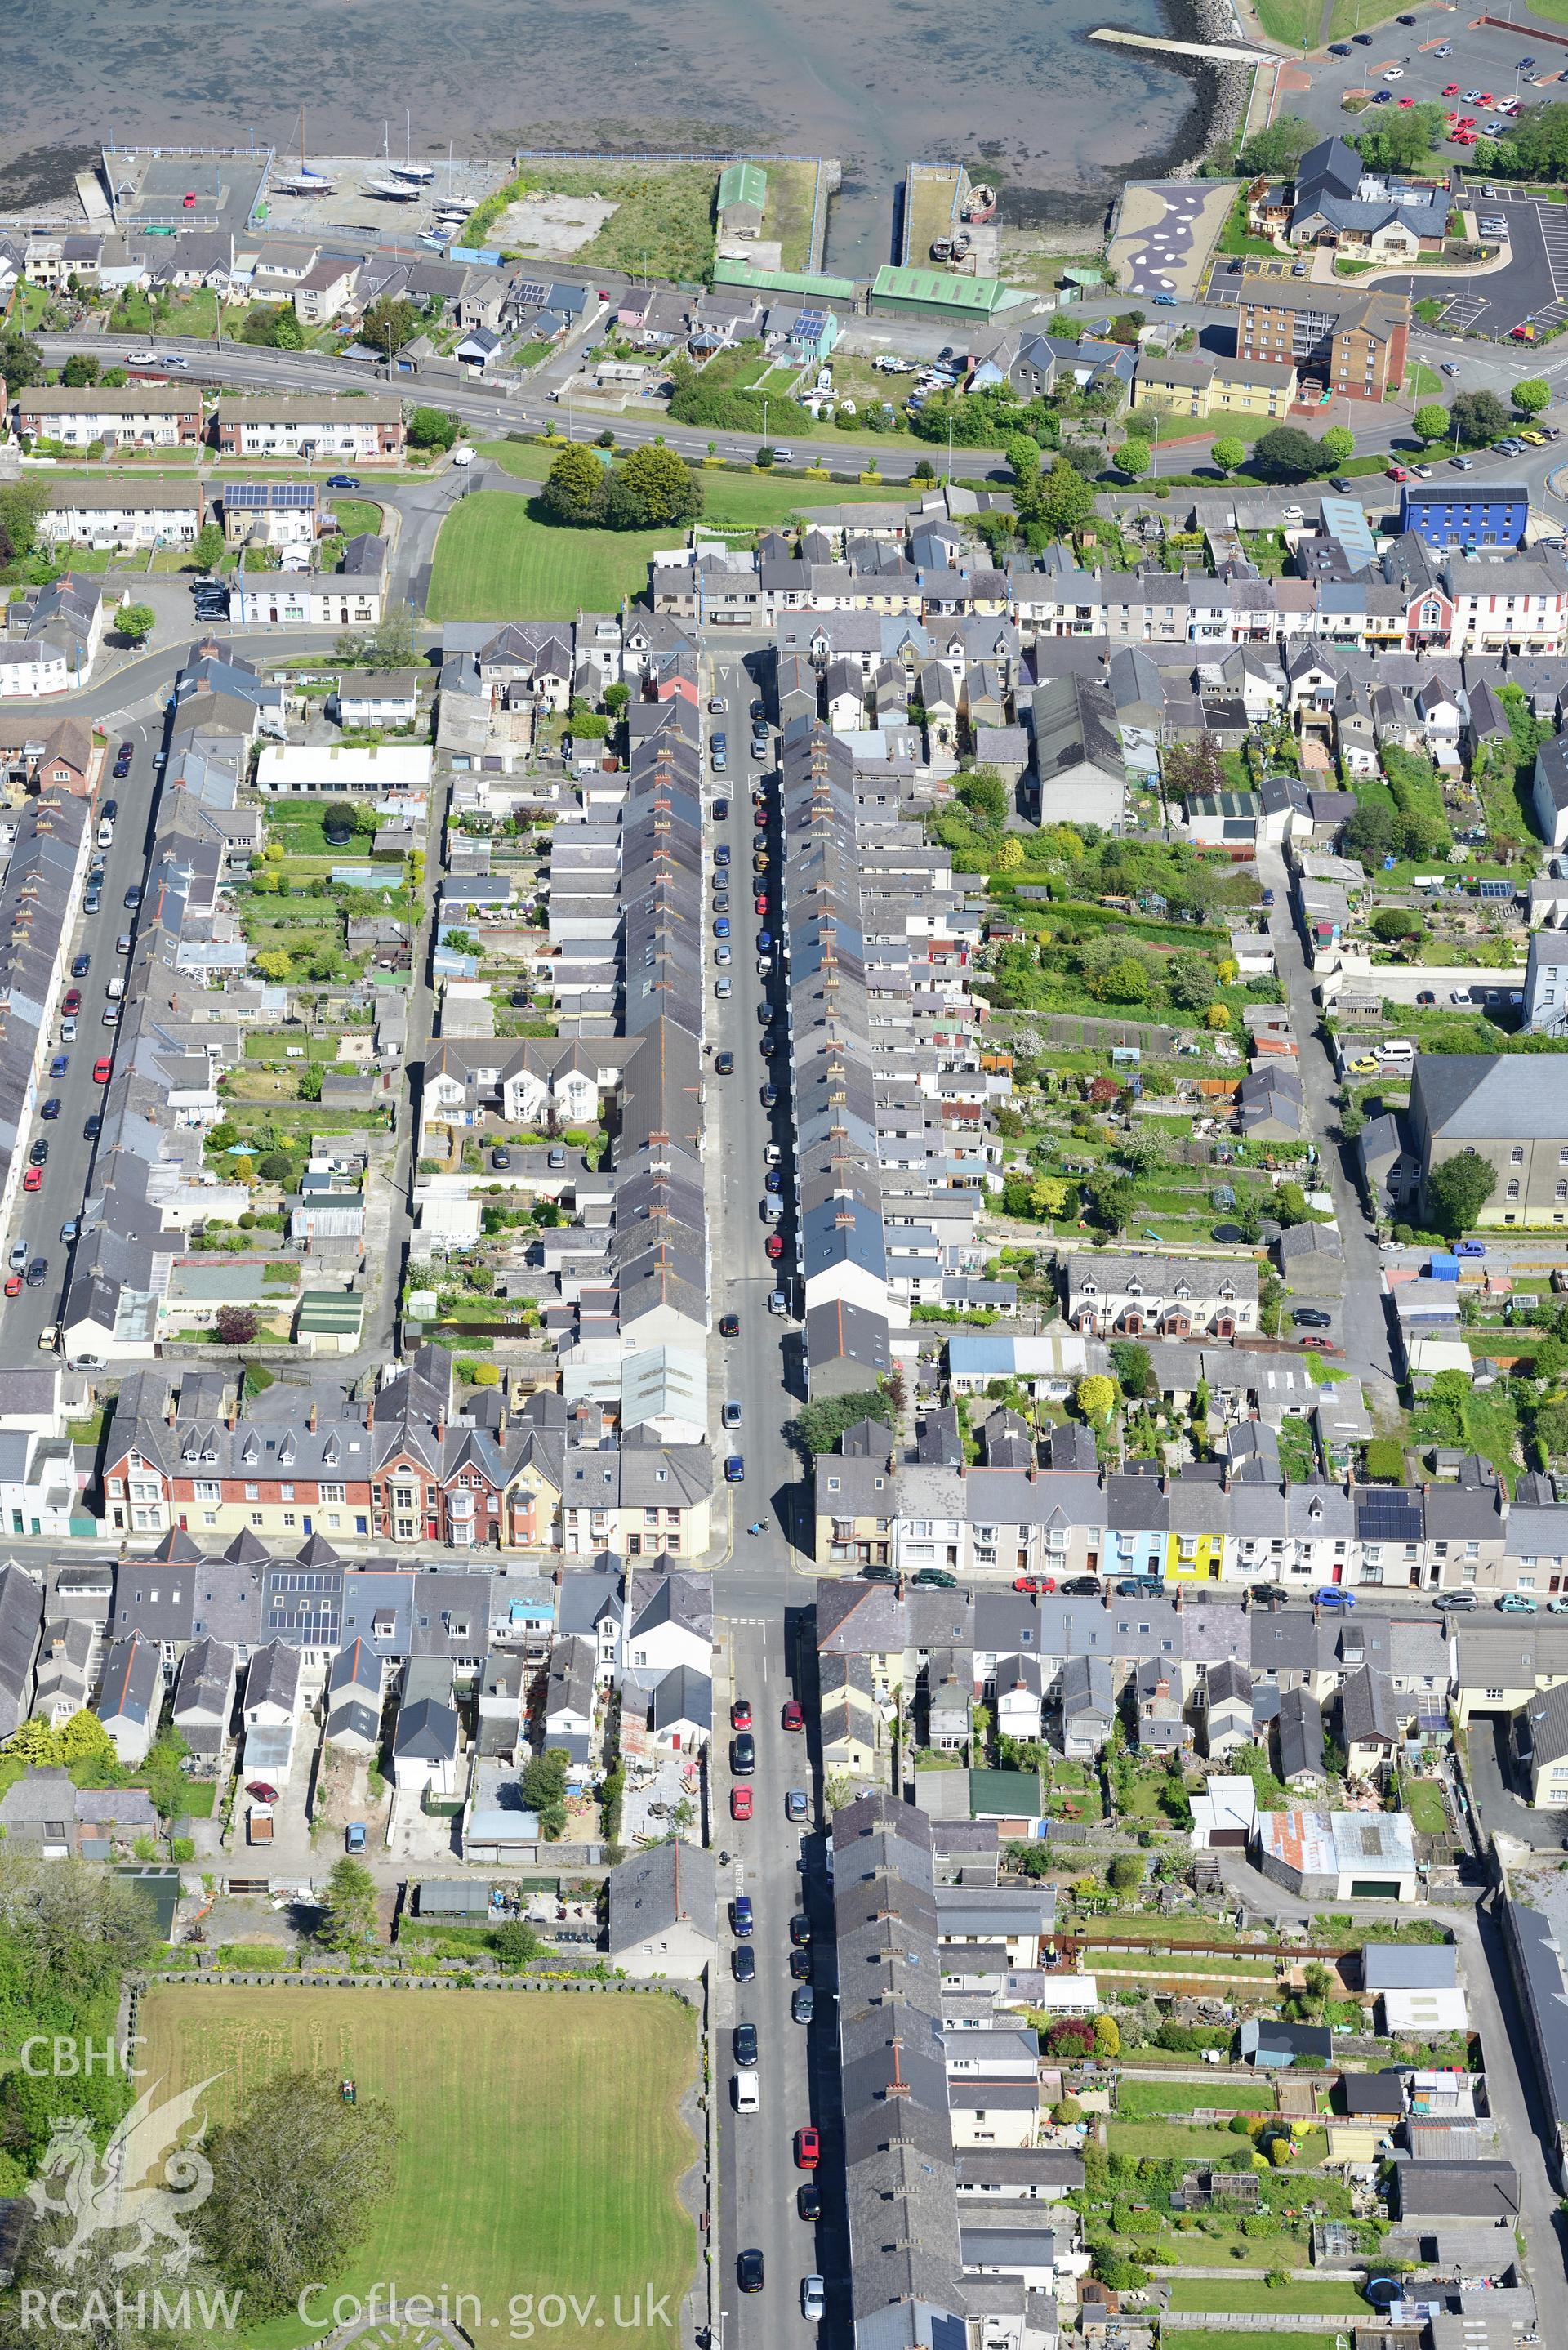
{"points": [[1492, 1784]]}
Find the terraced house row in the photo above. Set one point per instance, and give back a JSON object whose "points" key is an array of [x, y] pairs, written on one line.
{"points": [[1044, 1512], [892, 1091]]}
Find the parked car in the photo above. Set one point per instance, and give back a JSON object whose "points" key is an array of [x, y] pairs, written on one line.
{"points": [[743, 1754], [744, 1963], [745, 2044], [793, 1716], [1455, 1599], [740, 1803], [796, 1806], [1312, 1318], [354, 1837], [749, 2269], [741, 1916], [1510, 1603], [1332, 1595], [735, 1469], [800, 1931], [807, 2147], [808, 2200], [741, 1713]]}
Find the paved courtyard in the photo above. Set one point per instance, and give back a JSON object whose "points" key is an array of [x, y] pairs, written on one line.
{"points": [[1165, 234]]}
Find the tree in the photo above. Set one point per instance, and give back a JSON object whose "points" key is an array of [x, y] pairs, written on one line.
{"points": [[1532, 395], [1134, 1366], [1133, 460], [276, 1167], [21, 361], [616, 699], [433, 428], [287, 334], [573, 494], [1402, 141], [1548, 1358], [985, 795], [1125, 1872], [1338, 445], [1228, 454], [1286, 453], [817, 1426], [1431, 423], [295, 2176], [542, 1787], [1113, 1199], [514, 1941], [1190, 982], [22, 507], [273, 963], [1477, 417], [136, 622], [1369, 837], [1107, 2032], [1458, 1191], [208, 551], [1192, 768], [1290, 1204], [670, 493], [1066, 500], [236, 1325], [1009, 858], [79, 370], [1274, 151], [1095, 1396], [348, 1914], [390, 323]]}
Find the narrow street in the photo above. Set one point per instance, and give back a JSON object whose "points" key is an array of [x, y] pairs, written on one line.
{"points": [[1367, 1339]]}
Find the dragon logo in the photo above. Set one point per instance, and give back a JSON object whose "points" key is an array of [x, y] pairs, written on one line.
{"points": [[112, 2194]]}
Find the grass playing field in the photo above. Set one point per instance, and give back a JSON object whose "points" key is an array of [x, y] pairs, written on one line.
{"points": [[495, 561], [541, 2141]]}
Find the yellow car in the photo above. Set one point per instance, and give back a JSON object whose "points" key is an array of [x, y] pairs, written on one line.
{"points": [[1368, 1066], [1536, 440]]}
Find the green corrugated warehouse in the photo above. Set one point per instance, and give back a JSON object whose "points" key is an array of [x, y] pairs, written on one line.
{"points": [[784, 281], [742, 195], [938, 294]]}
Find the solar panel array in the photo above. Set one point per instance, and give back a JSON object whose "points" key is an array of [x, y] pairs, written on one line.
{"points": [[1384, 1514], [269, 497], [530, 295]]}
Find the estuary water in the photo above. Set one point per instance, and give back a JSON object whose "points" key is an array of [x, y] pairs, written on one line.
{"points": [[1060, 123]]}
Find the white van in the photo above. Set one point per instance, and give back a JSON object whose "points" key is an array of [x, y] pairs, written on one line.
{"points": [[116, 989], [748, 2092], [464, 456], [1396, 1048]]}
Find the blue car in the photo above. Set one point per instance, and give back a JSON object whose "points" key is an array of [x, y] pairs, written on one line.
{"points": [[722, 927], [354, 1836], [734, 1470], [1470, 1248], [59, 1065], [741, 1916], [764, 941], [1165, 302], [1332, 1596]]}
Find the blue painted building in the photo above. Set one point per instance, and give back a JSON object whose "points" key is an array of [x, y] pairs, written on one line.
{"points": [[1464, 513]]}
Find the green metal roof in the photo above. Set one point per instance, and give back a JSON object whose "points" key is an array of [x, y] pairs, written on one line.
{"points": [[784, 281], [943, 290], [324, 1311], [742, 184]]}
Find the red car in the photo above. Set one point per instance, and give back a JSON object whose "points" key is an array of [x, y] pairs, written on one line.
{"points": [[1407, 101], [1396, 472], [740, 1803], [1034, 1583], [101, 1069], [13, 1285], [793, 1717], [188, 201], [741, 1714], [759, 905], [1487, 99], [33, 1181], [774, 1246], [1450, 90], [807, 2148], [759, 816], [73, 999]]}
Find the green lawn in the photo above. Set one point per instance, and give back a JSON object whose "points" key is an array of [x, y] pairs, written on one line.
{"points": [[1292, 23], [1423, 1802], [1140, 2100], [491, 2213], [1227, 2296], [1170, 2141], [496, 561], [1200, 2337]]}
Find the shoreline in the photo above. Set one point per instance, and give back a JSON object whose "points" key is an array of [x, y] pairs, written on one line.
{"points": [[1222, 94]]}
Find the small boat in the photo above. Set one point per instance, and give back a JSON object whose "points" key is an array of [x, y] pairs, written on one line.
{"points": [[962, 242], [397, 191], [980, 205], [420, 171], [942, 249]]}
